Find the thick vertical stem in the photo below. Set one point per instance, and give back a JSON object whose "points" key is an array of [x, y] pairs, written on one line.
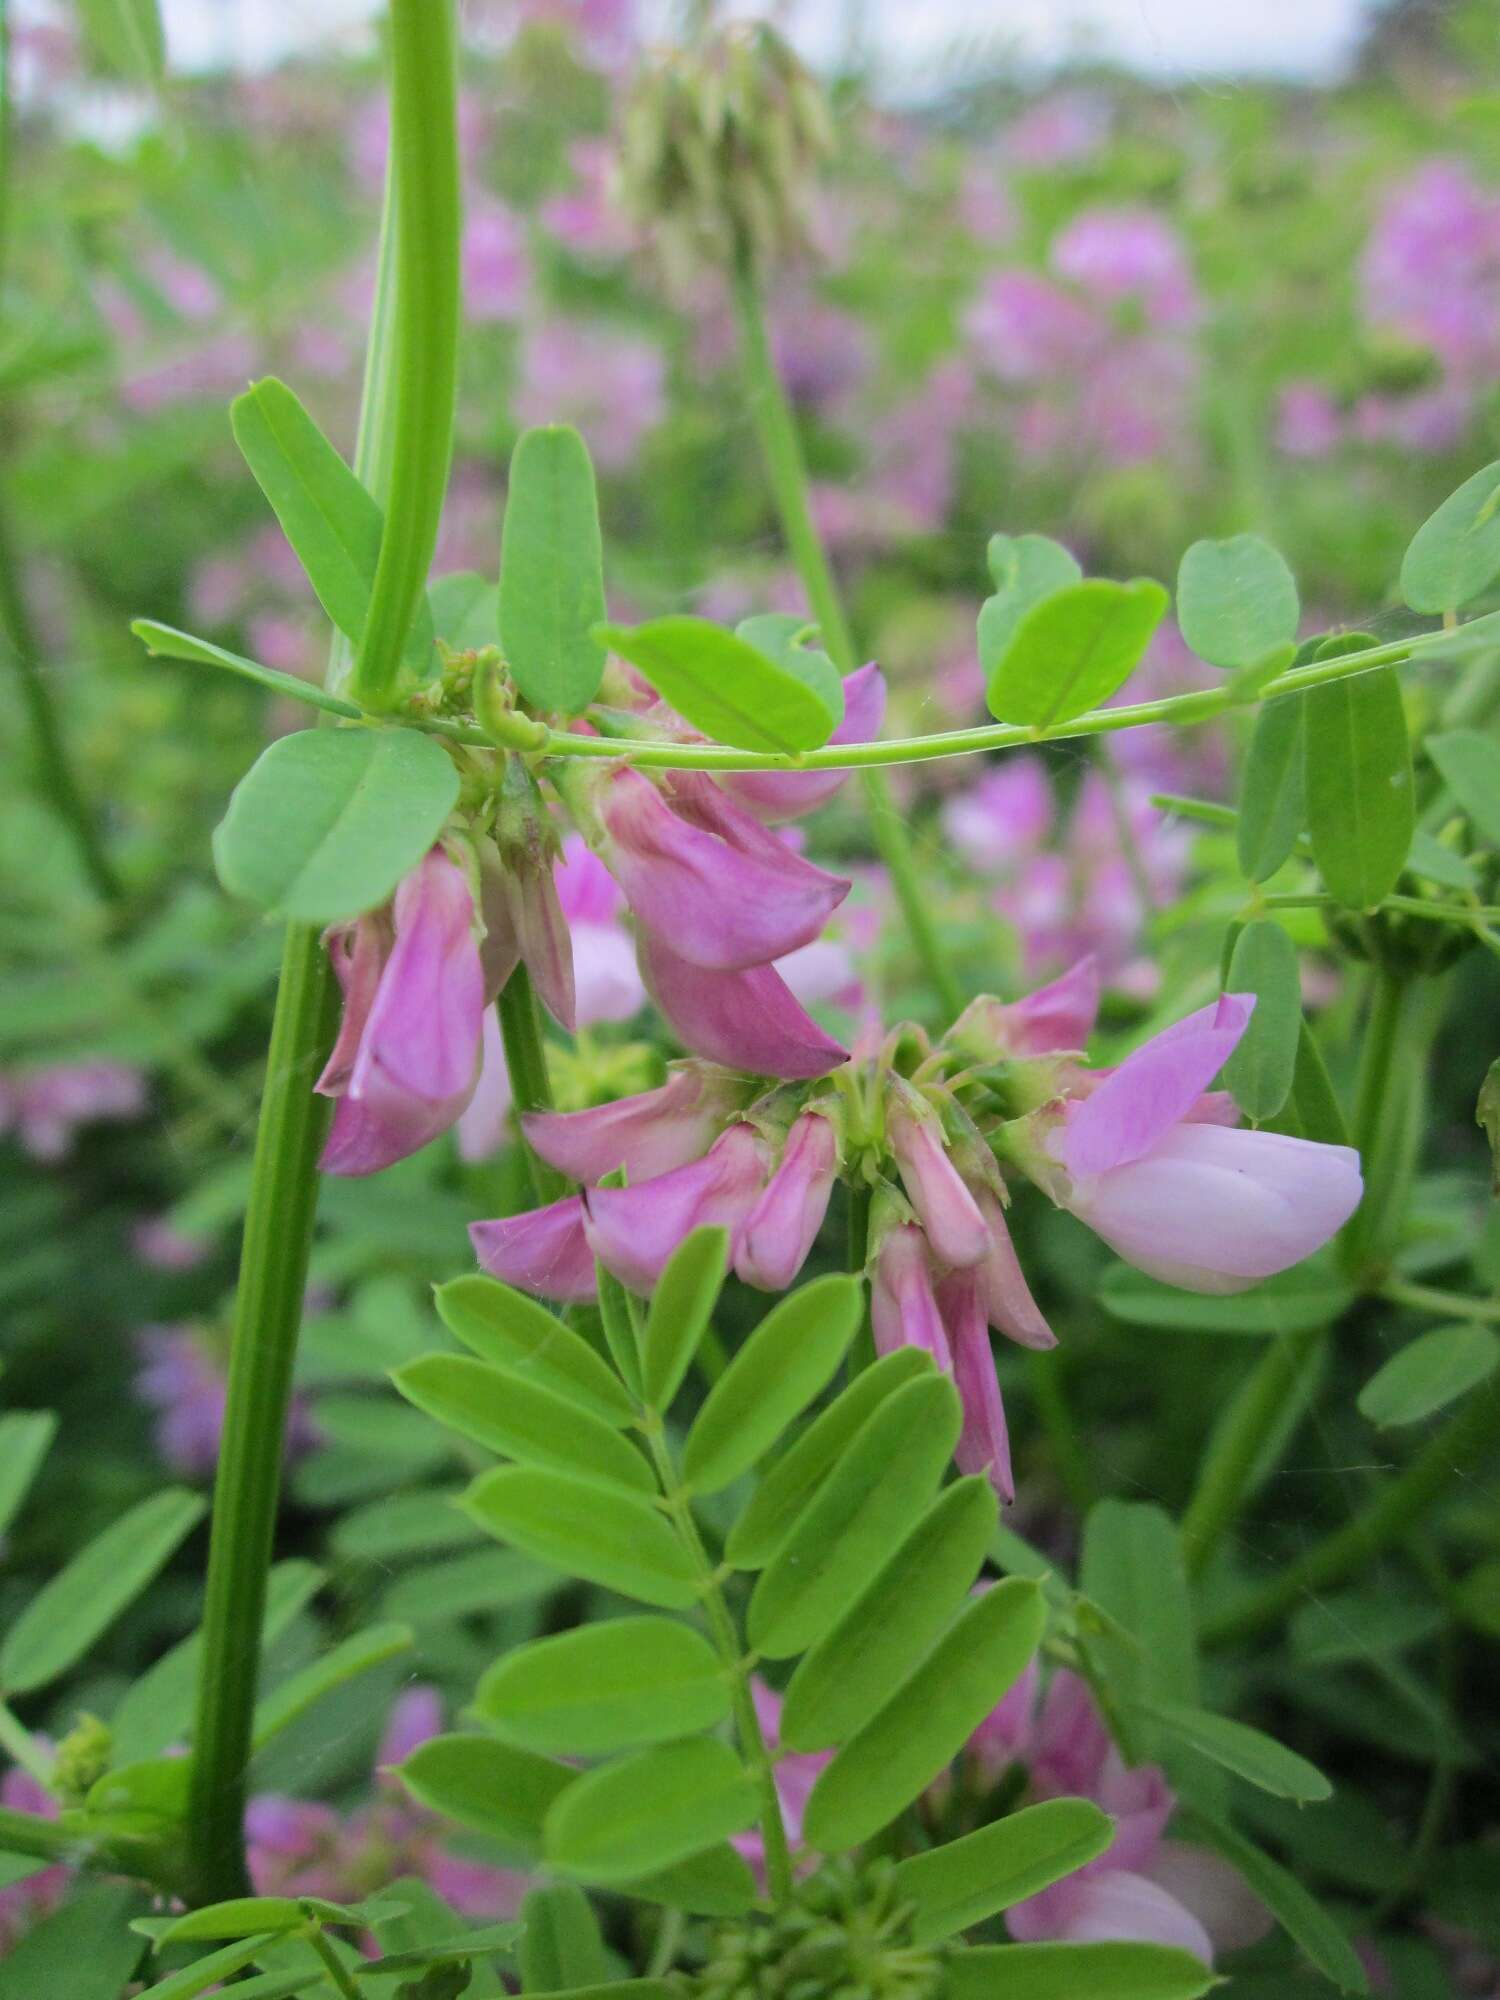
{"points": [[787, 472], [526, 1060], [1386, 1097]]}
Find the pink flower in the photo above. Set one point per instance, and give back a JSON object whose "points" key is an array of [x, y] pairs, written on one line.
{"points": [[649, 1135], [1191, 1202], [984, 1442], [708, 880], [524, 923], [25, 1902], [543, 1250], [797, 1772], [745, 1020], [407, 1056], [945, 1208], [157, 1241], [903, 1305], [606, 980], [184, 1380], [584, 218], [484, 1123], [1003, 1291], [1056, 1019], [782, 795], [783, 1225], [634, 1230], [45, 1106], [496, 267], [1124, 255], [1308, 421], [612, 385], [1004, 818]]}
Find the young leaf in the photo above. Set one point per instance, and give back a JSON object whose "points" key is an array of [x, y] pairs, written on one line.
{"points": [[25, 1439], [1455, 554], [788, 1360], [729, 690], [517, 1334], [1073, 650], [1025, 569], [552, 571], [1261, 1069], [1303, 1919], [650, 1810], [1429, 1373], [928, 1719], [1073, 1971], [791, 1482], [1250, 1754], [506, 1413], [125, 38], [1469, 764], [847, 1676], [778, 634], [243, 1916], [681, 1307], [956, 1886], [87, 1595], [356, 1655], [165, 642], [1273, 795], [606, 1537], [207, 1972], [560, 1941], [605, 1687], [846, 1531], [332, 523], [326, 822], [1236, 601], [489, 1787], [1359, 789]]}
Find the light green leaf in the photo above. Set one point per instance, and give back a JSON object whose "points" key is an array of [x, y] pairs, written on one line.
{"points": [[610, 1686], [788, 1360], [326, 822], [681, 1307], [848, 1675], [1435, 862], [561, 1945], [552, 571], [1273, 792], [650, 1810], [1073, 650], [86, 1596], [928, 1719], [166, 642], [1236, 601], [790, 1483], [729, 690], [465, 610], [353, 1656], [962, 1883], [1359, 788], [83, 1950], [1260, 1070], [208, 1971], [1455, 554], [1132, 1568], [846, 1531], [523, 1419], [1076, 1972], [1303, 1919], [481, 1580], [1249, 1753], [125, 38], [1429, 1373], [715, 1883], [400, 1524], [1025, 569], [25, 1439], [1469, 764], [243, 1916], [606, 1537], [517, 1334], [780, 636], [489, 1787], [1294, 1302]]}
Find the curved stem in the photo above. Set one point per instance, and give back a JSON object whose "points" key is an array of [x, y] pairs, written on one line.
{"points": [[424, 356], [1225, 1476], [1452, 1453], [782, 451]]}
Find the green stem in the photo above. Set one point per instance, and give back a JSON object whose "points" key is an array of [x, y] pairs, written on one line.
{"points": [[423, 369], [1224, 1477], [44, 1839], [338, 1972], [526, 1060], [268, 1313], [779, 1878], [1448, 1305], [1044, 1378], [24, 1748], [862, 1354], [1453, 1453], [1389, 1073], [782, 450]]}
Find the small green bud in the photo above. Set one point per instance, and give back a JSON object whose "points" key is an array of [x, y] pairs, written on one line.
{"points": [[82, 1759], [495, 710]]}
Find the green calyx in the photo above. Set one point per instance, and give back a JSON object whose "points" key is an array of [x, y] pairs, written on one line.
{"points": [[846, 1934]]}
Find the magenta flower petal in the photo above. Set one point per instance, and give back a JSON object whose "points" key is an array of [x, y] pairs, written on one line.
{"points": [[1059, 1016], [357, 952], [374, 1131], [634, 1230], [543, 1250], [945, 1208], [1003, 1290], [1145, 1097], [648, 1135], [781, 795], [1108, 1906], [422, 1034], [784, 1223], [484, 1123], [984, 1442], [903, 1306], [716, 902], [745, 1020]]}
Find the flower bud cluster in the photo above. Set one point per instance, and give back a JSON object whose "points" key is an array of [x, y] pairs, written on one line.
{"points": [[845, 1936]]}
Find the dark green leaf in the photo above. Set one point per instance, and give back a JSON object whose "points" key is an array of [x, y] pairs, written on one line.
{"points": [[681, 1307], [125, 38], [1469, 763], [517, 1334], [729, 690], [1455, 554], [1359, 790], [1236, 601], [609, 1686], [929, 1717], [847, 1676], [1303, 1919], [1313, 1110], [1076, 1972], [1250, 1754], [1273, 792], [505, 1412], [606, 1537], [788, 1360], [1429, 1373], [401, 1524], [650, 1810], [353, 1656], [959, 1885], [560, 1943], [326, 822], [1025, 569], [86, 1596], [1073, 650], [844, 1534], [82, 1951], [1260, 1070], [1132, 1568], [25, 1439], [552, 571], [492, 1788], [165, 642], [209, 1971], [1361, 1625], [1297, 1300]]}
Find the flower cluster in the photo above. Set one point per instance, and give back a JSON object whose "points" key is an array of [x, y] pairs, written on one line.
{"points": [[45, 1107]]}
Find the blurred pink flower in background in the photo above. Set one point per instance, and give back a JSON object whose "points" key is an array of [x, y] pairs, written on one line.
{"points": [[1309, 423], [183, 1378], [26, 1901], [609, 382], [496, 262], [797, 1772], [46, 1107], [1061, 129], [585, 217]]}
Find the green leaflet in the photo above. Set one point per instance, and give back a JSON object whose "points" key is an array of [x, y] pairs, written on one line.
{"points": [[780, 636], [1077, 1972], [650, 1810], [1025, 569], [125, 37], [611, 1686], [1073, 650], [714, 1883], [1469, 763], [788, 1360], [929, 1718], [25, 1439], [552, 571], [1429, 1373], [325, 823], [1236, 601], [1303, 1919], [353, 1656], [167, 643], [1261, 1069], [1455, 554], [680, 1309], [967, 1880], [1272, 792], [1249, 1753], [1132, 1567], [1309, 1296], [513, 1331], [493, 1788], [730, 690], [83, 1950], [605, 1536], [560, 1941], [1359, 789], [523, 1419]]}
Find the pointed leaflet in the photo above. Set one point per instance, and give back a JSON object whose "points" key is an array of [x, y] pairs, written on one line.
{"points": [[730, 690], [1455, 554], [956, 1886], [1429, 1373], [650, 1810], [1250, 1754], [513, 1331], [167, 643], [1236, 601], [609, 1538], [25, 1439], [552, 571], [1073, 650], [1261, 1069], [489, 1787], [1077, 1972], [1304, 1920], [610, 1686], [521, 1419], [1359, 788], [1273, 799], [681, 1306]]}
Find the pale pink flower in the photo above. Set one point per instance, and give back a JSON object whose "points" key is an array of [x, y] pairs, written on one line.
{"points": [[648, 1135], [783, 1225], [746, 1020], [634, 1230], [543, 1250], [45, 1107]]}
